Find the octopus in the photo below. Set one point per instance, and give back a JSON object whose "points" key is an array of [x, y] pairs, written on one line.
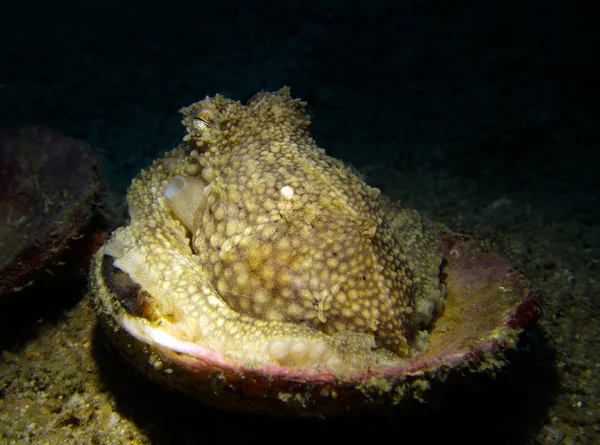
{"points": [[255, 264]]}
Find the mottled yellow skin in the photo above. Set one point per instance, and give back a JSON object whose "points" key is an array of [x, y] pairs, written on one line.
{"points": [[290, 257]]}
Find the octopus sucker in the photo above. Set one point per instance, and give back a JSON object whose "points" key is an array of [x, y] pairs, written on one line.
{"points": [[252, 253], [183, 195]]}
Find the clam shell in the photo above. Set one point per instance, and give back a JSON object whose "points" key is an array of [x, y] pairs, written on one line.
{"points": [[489, 305], [48, 187]]}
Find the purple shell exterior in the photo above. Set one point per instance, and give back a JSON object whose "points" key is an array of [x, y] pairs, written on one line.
{"points": [[48, 183]]}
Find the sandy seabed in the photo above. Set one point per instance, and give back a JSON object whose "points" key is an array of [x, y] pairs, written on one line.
{"points": [[60, 383]]}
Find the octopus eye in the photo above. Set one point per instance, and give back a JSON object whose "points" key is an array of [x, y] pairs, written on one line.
{"points": [[134, 300], [203, 120]]}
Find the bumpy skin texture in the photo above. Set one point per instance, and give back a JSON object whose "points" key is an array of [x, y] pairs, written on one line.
{"points": [[288, 258], [286, 233]]}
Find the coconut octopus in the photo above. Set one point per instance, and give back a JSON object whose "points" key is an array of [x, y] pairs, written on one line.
{"points": [[259, 274]]}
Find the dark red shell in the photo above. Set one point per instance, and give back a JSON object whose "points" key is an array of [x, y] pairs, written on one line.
{"points": [[48, 184]]}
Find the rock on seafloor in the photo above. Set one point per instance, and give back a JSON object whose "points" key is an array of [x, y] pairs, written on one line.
{"points": [[261, 275], [49, 186]]}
